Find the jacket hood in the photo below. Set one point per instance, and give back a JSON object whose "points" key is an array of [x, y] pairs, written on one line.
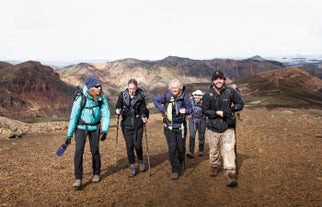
{"points": [[85, 90]]}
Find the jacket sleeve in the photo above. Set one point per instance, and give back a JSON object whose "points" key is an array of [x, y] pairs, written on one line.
{"points": [[238, 101], [144, 112], [74, 116], [158, 102], [119, 103], [188, 105], [106, 116]]}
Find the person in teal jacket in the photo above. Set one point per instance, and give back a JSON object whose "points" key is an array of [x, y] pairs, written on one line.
{"points": [[90, 116]]}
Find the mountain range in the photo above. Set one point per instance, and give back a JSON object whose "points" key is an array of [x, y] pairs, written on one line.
{"points": [[32, 90]]}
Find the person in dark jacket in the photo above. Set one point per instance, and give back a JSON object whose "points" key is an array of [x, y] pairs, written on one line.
{"points": [[132, 105], [174, 106], [85, 121], [219, 105], [197, 123]]}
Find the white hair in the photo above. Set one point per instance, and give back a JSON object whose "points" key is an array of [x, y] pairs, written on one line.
{"points": [[175, 83]]}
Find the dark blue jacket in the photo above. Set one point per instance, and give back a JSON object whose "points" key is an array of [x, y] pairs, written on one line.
{"points": [[197, 112], [162, 101]]}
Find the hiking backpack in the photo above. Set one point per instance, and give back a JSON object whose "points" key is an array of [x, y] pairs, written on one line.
{"points": [[79, 94]]}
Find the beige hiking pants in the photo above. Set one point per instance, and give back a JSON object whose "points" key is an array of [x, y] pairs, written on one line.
{"points": [[222, 150]]}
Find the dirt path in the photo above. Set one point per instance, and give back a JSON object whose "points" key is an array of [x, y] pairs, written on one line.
{"points": [[279, 157]]}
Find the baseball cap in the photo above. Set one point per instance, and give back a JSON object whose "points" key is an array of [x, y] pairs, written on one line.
{"points": [[217, 74]]}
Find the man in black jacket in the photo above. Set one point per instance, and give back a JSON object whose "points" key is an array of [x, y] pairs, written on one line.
{"points": [[219, 104]]}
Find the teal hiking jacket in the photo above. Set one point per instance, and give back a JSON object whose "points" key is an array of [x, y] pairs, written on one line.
{"points": [[90, 114]]}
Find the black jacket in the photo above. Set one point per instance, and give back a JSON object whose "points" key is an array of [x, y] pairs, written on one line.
{"points": [[212, 102], [132, 109]]}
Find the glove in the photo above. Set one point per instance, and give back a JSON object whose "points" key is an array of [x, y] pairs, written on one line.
{"points": [[228, 113], [103, 137], [68, 141]]}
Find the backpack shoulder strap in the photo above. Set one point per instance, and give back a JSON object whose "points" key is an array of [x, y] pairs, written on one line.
{"points": [[79, 94], [83, 101]]}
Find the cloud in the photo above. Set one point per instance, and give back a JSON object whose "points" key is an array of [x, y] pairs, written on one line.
{"points": [[145, 29]]}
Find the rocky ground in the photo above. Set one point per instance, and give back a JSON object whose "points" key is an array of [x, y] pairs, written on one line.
{"points": [[279, 160]]}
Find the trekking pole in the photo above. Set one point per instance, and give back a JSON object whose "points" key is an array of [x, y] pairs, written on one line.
{"points": [[184, 141], [236, 158], [116, 139], [147, 147]]}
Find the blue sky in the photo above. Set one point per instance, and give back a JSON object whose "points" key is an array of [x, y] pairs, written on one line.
{"points": [[65, 30]]}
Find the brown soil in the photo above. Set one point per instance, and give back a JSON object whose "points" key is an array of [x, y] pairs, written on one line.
{"points": [[279, 159]]}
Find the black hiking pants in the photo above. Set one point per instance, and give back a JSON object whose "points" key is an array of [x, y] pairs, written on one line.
{"points": [[133, 140], [176, 147], [80, 140]]}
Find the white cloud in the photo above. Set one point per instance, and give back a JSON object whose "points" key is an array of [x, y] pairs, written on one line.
{"points": [[154, 29]]}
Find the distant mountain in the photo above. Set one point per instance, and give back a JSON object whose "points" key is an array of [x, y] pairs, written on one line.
{"points": [[257, 57], [31, 90], [4, 64], [288, 87], [153, 76]]}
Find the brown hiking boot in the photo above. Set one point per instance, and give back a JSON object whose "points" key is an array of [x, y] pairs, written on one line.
{"points": [[213, 171], [231, 181]]}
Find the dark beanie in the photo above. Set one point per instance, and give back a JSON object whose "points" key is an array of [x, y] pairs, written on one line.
{"points": [[217, 74], [91, 82]]}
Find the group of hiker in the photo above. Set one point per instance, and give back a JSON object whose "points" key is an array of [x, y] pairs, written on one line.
{"points": [[215, 110]]}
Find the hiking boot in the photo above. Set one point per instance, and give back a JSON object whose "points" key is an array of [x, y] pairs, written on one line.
{"points": [[77, 184], [232, 180], [96, 178], [213, 171], [132, 170], [174, 175], [142, 166], [200, 154], [190, 155]]}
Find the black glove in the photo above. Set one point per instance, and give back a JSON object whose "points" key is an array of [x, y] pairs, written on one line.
{"points": [[103, 137], [228, 113], [68, 141]]}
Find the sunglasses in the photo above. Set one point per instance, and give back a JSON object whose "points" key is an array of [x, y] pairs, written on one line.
{"points": [[98, 86]]}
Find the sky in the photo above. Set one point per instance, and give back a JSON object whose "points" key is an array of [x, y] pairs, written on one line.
{"points": [[75, 30]]}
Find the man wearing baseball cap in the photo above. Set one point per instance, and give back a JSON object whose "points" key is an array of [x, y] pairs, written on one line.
{"points": [[219, 105]]}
